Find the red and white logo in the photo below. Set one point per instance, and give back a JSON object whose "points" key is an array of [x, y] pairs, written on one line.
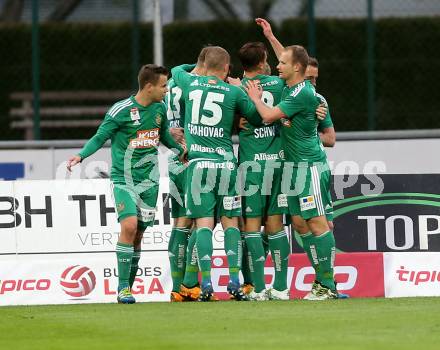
{"points": [[78, 281]]}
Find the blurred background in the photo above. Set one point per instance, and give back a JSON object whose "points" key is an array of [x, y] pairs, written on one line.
{"points": [[64, 62]]}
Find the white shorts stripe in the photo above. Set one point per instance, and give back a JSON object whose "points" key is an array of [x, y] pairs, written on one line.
{"points": [[318, 187], [317, 190]]}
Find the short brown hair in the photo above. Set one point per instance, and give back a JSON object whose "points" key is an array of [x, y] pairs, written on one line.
{"points": [[299, 55], [216, 57], [252, 54], [150, 73], [313, 61], [202, 56]]}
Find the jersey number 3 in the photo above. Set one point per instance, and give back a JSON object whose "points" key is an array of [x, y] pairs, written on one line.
{"points": [[211, 104]]}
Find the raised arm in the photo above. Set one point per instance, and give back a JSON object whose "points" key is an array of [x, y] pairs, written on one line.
{"points": [[277, 47], [181, 74]]}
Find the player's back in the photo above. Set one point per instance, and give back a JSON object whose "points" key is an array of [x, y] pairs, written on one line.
{"points": [[210, 107], [261, 143]]}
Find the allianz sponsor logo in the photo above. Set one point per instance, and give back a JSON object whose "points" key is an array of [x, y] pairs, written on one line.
{"points": [[206, 131], [206, 164], [417, 277], [266, 156], [199, 148]]}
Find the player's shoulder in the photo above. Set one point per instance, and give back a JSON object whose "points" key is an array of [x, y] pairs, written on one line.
{"points": [[322, 98], [120, 107]]}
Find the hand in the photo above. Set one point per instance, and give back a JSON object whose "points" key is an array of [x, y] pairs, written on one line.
{"points": [[254, 90], [234, 81], [177, 134], [265, 25], [242, 124], [72, 162], [321, 111], [184, 156]]}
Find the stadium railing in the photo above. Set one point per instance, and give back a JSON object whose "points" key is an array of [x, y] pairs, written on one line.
{"points": [[62, 109]]}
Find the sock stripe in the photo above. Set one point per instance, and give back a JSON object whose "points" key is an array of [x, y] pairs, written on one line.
{"points": [[124, 250], [277, 235], [182, 229], [253, 235], [323, 235]]}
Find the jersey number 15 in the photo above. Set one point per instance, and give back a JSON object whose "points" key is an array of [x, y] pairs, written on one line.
{"points": [[211, 104]]}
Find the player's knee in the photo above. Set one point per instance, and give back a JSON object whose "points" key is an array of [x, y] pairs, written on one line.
{"points": [[129, 227], [300, 225]]}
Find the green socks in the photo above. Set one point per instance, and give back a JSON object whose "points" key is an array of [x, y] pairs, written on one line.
{"points": [[280, 250], [307, 240], [254, 243], [246, 262], [191, 278], [134, 266], [204, 252], [323, 247], [176, 254], [124, 254], [233, 251]]}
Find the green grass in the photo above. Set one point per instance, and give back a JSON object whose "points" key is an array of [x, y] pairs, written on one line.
{"points": [[407, 323]]}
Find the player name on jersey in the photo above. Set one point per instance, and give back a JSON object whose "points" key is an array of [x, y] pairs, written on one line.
{"points": [[265, 131], [206, 131]]}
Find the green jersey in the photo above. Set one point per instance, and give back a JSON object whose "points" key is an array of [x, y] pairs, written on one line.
{"points": [[175, 105], [135, 132], [327, 121], [301, 142], [210, 107], [261, 143]]}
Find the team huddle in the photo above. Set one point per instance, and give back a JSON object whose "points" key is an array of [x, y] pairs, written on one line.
{"points": [[281, 173]]}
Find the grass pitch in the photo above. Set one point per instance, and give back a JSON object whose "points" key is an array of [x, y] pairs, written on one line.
{"points": [[407, 323]]}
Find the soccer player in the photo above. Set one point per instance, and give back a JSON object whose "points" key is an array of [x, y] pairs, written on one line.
{"points": [[260, 158], [210, 106], [328, 138], [135, 126], [184, 274], [307, 168]]}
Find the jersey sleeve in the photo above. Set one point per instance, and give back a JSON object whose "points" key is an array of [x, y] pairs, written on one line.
{"points": [[327, 121], [247, 108], [181, 75], [106, 130], [291, 106], [165, 135]]}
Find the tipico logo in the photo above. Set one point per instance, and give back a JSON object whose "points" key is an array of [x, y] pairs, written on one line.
{"points": [[78, 281]]}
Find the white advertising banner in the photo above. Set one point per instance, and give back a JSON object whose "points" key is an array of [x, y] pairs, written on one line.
{"points": [[8, 237], [73, 216], [78, 278], [412, 274]]}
